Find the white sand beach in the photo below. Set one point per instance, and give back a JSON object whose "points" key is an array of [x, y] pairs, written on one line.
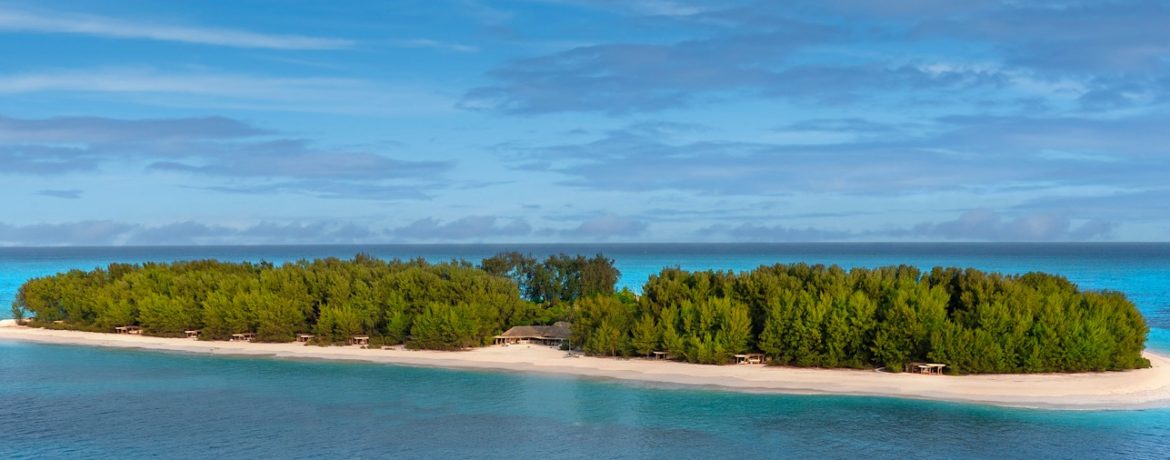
{"points": [[1087, 391]]}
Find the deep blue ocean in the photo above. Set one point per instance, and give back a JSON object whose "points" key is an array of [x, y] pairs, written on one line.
{"points": [[76, 402]]}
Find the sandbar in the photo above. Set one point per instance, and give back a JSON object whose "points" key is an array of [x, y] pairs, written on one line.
{"points": [[1124, 390]]}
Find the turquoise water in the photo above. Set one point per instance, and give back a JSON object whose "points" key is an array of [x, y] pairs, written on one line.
{"points": [[58, 401]]}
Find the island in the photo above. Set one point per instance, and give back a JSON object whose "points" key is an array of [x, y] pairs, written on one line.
{"points": [[1035, 339]]}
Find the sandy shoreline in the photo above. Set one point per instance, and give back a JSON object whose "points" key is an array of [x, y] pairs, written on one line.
{"points": [[1137, 389]]}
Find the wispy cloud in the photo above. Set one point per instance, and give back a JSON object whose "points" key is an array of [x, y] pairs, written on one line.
{"points": [[605, 227], [968, 153], [753, 232], [467, 228], [849, 52], [212, 147], [435, 44], [970, 225], [112, 130], [101, 26], [71, 194], [989, 225], [669, 8], [626, 78], [108, 232], [219, 90], [186, 232], [83, 233]]}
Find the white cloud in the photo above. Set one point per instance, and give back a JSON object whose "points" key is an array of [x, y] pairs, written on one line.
{"points": [[28, 21], [606, 227], [234, 91], [428, 43]]}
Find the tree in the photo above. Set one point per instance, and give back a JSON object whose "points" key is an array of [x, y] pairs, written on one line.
{"points": [[735, 327], [645, 335], [798, 314]]}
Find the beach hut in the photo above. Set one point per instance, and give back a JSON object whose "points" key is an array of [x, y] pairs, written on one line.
{"points": [[359, 340], [135, 330], [750, 358], [304, 338], [192, 334], [925, 368], [554, 335], [243, 337], [659, 355]]}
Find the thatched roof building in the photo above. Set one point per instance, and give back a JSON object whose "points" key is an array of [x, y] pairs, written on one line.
{"points": [[556, 334]]}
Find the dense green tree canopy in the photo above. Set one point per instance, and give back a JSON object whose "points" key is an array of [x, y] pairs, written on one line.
{"points": [[813, 315], [800, 315], [558, 279], [443, 306]]}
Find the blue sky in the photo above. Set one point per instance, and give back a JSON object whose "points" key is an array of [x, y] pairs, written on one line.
{"points": [[252, 122]]}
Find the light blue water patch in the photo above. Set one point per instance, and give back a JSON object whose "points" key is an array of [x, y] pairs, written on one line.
{"points": [[74, 402]]}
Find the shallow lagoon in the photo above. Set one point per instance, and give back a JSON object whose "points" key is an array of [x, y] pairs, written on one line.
{"points": [[62, 401], [58, 401]]}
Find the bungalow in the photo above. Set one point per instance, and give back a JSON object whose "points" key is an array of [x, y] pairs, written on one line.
{"points": [[554, 335]]}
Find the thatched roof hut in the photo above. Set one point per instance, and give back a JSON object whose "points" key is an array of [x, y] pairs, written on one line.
{"points": [[556, 334]]}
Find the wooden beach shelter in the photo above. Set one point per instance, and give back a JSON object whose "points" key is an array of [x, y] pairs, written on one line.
{"points": [[925, 368], [192, 334], [243, 337], [659, 355], [359, 340], [135, 330], [554, 335], [304, 338], [750, 358]]}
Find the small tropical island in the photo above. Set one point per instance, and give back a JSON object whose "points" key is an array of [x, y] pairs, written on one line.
{"points": [[820, 328]]}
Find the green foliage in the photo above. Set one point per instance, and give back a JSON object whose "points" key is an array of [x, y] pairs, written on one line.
{"points": [[645, 336], [602, 325], [558, 279], [332, 298], [813, 315], [446, 327], [801, 315]]}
